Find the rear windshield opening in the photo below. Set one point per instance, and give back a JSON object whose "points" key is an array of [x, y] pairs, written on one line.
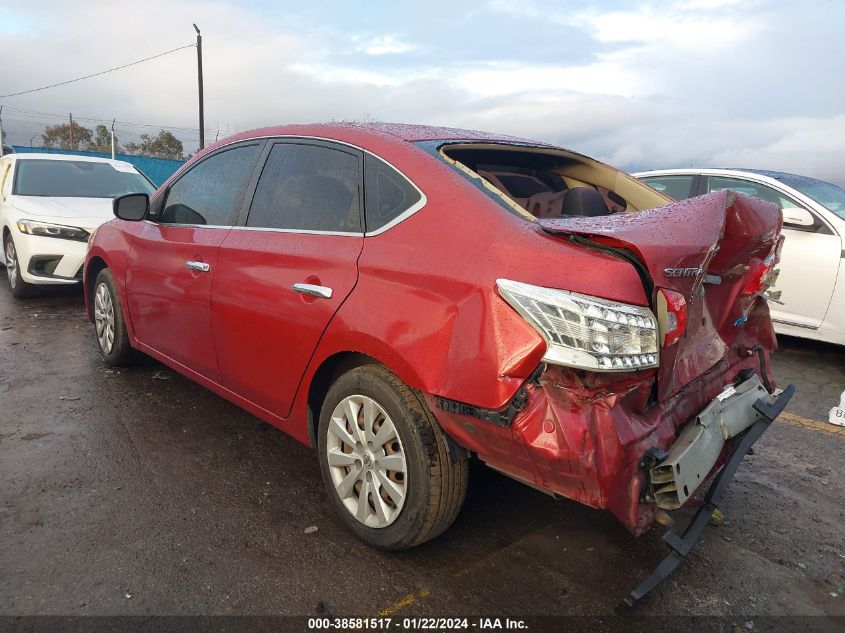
{"points": [[550, 183]]}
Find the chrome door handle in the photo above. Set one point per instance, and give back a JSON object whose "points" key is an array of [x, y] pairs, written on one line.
{"points": [[315, 291], [200, 266]]}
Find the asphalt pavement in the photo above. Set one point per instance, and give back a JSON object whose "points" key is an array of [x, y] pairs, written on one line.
{"points": [[138, 492]]}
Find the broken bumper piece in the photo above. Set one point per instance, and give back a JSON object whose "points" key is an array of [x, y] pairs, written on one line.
{"points": [[729, 415], [692, 457]]}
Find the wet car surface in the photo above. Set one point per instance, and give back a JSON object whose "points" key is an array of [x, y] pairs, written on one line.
{"points": [[139, 492]]}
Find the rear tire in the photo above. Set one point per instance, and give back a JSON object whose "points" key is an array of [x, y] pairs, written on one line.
{"points": [[17, 285], [110, 327], [399, 509]]}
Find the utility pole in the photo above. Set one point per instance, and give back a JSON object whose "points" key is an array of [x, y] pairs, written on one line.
{"points": [[199, 85], [112, 139], [30, 139], [70, 132]]}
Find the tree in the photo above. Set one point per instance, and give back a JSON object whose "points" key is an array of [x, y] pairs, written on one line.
{"points": [[102, 141], [165, 145], [60, 136]]}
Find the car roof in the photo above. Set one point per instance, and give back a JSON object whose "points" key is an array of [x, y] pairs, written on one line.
{"points": [[69, 157], [788, 178], [405, 131], [371, 134]]}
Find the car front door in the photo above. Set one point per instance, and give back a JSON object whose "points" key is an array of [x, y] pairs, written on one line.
{"points": [[285, 272], [173, 257], [809, 259]]}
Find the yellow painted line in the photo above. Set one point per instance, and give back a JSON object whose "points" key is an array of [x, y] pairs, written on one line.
{"points": [[407, 601], [811, 425]]}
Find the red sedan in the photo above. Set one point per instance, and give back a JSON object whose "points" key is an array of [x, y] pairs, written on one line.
{"points": [[405, 298]]}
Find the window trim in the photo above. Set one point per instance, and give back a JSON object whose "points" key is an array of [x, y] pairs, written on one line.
{"points": [[250, 191], [160, 202]]}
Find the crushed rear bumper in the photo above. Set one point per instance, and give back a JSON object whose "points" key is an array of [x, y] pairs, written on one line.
{"points": [[693, 455], [719, 418]]}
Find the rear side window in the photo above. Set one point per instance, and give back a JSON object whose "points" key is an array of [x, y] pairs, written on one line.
{"points": [[678, 187], [210, 192], [388, 193], [307, 188]]}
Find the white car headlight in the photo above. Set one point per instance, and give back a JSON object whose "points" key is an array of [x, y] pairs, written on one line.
{"points": [[46, 229], [583, 331]]}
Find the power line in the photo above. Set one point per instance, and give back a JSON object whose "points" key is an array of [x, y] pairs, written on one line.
{"points": [[103, 72], [94, 119]]}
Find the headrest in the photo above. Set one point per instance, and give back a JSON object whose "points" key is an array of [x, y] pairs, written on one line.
{"points": [[584, 201]]}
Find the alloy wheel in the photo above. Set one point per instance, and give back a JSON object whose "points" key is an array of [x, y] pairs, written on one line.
{"points": [[367, 461], [11, 262], [104, 318]]}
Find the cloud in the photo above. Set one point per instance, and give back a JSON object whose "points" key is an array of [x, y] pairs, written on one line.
{"points": [[385, 45], [641, 86], [662, 29]]}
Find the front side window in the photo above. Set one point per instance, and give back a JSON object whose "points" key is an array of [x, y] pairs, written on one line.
{"points": [[677, 187], [210, 192], [77, 179], [389, 194], [720, 183], [826, 194], [308, 188]]}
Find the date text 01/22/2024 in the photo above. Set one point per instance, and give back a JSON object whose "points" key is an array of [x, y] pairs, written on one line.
{"points": [[416, 624]]}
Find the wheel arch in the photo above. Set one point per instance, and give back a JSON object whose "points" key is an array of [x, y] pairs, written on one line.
{"points": [[326, 373], [92, 268]]}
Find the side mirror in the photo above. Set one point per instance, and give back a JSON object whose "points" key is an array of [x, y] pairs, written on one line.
{"points": [[132, 207], [796, 216]]}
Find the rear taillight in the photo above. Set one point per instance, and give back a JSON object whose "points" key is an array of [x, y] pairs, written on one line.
{"points": [[671, 316], [759, 277], [583, 331]]}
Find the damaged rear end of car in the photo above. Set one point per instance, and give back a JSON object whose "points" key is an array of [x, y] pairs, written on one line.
{"points": [[704, 265], [634, 408]]}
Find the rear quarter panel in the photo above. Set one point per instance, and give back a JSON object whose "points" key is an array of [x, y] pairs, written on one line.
{"points": [[426, 304]]}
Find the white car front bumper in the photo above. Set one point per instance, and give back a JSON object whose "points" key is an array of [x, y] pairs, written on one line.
{"points": [[49, 260]]}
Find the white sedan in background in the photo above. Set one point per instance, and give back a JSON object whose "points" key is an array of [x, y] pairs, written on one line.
{"points": [[812, 268], [49, 206]]}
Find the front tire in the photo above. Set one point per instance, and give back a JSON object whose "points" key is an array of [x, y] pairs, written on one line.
{"points": [[385, 461], [17, 285], [112, 338]]}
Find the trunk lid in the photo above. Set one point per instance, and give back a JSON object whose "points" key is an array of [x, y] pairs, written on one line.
{"points": [[708, 249]]}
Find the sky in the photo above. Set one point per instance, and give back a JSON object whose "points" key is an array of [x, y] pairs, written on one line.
{"points": [[641, 85]]}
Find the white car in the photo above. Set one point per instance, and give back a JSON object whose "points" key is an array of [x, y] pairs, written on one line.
{"points": [[812, 268], [49, 206]]}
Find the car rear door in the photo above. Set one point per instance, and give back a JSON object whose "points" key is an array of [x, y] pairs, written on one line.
{"points": [[173, 257], [677, 186], [283, 274], [809, 260]]}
